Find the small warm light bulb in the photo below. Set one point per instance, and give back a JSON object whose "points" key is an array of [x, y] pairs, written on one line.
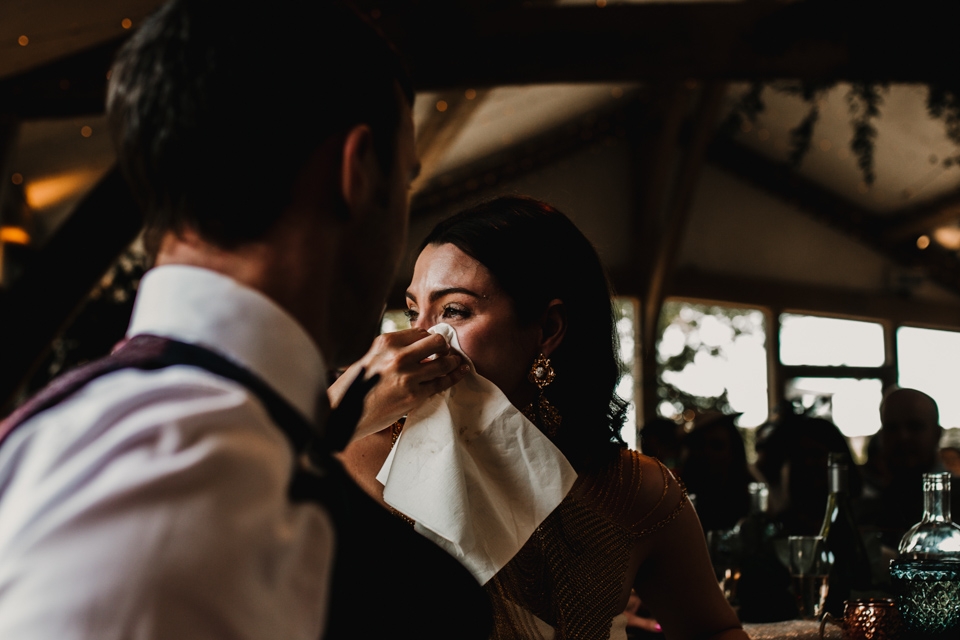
{"points": [[923, 242], [442, 105], [470, 94], [14, 235], [86, 132], [601, 3], [126, 23], [17, 178], [948, 238], [23, 41]]}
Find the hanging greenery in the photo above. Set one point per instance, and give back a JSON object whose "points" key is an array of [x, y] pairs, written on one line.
{"points": [[944, 104], [864, 100]]}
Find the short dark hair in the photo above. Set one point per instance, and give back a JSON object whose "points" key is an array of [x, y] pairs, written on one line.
{"points": [[536, 254], [916, 393], [215, 107]]}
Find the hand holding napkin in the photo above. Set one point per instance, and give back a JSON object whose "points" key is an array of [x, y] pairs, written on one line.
{"points": [[474, 473]]}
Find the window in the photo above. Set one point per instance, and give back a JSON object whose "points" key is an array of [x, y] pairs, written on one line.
{"points": [[929, 361], [813, 340], [394, 320], [835, 369], [627, 331], [853, 405], [712, 357]]}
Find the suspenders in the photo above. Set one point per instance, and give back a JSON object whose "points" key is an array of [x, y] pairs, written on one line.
{"points": [[386, 577]]}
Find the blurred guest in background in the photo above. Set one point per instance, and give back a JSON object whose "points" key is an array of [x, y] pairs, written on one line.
{"points": [[769, 445], [714, 468], [906, 447], [660, 438], [807, 444], [950, 451]]}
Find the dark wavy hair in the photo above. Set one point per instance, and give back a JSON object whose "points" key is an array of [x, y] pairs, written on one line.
{"points": [[214, 108], [536, 254]]}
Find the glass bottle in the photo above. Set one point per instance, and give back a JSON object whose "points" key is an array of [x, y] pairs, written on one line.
{"points": [[764, 587], [851, 565], [936, 536], [757, 528]]}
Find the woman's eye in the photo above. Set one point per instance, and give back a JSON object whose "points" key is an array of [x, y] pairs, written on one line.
{"points": [[455, 312], [411, 314]]}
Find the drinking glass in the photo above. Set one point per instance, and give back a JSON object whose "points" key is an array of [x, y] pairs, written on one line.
{"points": [[810, 564], [928, 595]]}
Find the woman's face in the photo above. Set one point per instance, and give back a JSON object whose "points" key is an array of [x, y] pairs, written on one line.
{"points": [[449, 286]]}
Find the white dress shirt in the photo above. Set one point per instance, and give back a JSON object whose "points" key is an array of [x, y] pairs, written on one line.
{"points": [[153, 504]]}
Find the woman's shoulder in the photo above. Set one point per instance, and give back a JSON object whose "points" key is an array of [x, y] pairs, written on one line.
{"points": [[636, 491]]}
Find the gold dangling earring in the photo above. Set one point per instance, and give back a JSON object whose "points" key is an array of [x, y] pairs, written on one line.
{"points": [[545, 415]]}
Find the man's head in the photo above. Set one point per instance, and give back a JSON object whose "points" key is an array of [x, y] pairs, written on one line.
{"points": [[231, 124], [910, 430], [215, 107]]}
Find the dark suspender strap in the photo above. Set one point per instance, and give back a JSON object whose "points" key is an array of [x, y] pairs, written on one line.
{"points": [[381, 564], [146, 352]]}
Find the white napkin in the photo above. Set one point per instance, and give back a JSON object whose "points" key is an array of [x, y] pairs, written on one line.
{"points": [[474, 473]]}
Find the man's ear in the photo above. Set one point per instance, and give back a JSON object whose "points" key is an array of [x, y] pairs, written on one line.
{"points": [[360, 174], [553, 326]]}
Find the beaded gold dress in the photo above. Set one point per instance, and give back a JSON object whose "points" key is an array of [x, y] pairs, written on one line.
{"points": [[567, 581]]}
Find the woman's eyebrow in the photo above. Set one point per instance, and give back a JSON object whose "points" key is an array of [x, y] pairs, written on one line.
{"points": [[439, 293]]}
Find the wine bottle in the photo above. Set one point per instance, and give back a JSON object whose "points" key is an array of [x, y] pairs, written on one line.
{"points": [[851, 565]]}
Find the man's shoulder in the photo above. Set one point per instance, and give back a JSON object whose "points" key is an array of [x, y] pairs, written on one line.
{"points": [[165, 487], [147, 397], [165, 421]]}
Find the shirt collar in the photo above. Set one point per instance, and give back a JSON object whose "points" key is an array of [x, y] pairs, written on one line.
{"points": [[206, 308]]}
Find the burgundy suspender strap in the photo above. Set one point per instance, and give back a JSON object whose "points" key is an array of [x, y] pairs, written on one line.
{"points": [[386, 577], [148, 353]]}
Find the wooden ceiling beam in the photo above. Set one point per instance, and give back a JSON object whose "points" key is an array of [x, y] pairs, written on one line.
{"points": [[807, 298], [482, 44], [441, 128], [681, 195], [910, 223], [782, 181], [464, 45], [526, 156]]}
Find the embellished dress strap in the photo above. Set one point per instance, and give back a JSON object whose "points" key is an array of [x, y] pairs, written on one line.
{"points": [[637, 492]]}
